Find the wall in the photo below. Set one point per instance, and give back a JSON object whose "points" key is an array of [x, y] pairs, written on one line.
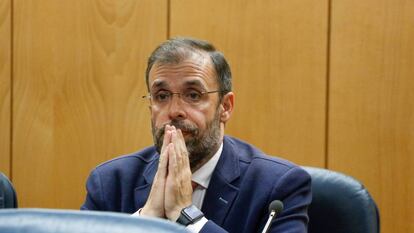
{"points": [[321, 83], [279, 69], [77, 82], [5, 85], [371, 102]]}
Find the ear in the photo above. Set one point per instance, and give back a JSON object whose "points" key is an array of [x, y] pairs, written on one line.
{"points": [[227, 105]]}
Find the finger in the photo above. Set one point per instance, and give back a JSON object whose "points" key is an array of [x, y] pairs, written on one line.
{"points": [[185, 167], [182, 141], [167, 137], [172, 161], [168, 127], [183, 147], [178, 149], [163, 161]]}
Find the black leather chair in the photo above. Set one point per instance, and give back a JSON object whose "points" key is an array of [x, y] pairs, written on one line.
{"points": [[69, 221], [8, 197], [340, 204]]}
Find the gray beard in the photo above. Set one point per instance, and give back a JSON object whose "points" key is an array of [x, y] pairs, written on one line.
{"points": [[201, 146]]}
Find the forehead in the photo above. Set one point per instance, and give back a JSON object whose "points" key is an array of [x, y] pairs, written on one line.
{"points": [[194, 71]]}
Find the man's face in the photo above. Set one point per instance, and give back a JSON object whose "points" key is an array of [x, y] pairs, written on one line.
{"points": [[197, 117]]}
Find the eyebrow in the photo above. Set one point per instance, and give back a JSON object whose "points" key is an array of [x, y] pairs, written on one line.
{"points": [[159, 84], [196, 83]]}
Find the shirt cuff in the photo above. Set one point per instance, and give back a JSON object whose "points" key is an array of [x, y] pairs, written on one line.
{"points": [[197, 226], [138, 213]]}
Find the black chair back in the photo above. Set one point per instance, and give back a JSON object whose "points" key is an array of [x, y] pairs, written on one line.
{"points": [[8, 198], [340, 204]]}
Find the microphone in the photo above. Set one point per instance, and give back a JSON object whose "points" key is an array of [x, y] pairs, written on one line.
{"points": [[275, 208]]}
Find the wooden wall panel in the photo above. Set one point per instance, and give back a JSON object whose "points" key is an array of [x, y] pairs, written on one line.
{"points": [[371, 125], [5, 85], [79, 75], [277, 51]]}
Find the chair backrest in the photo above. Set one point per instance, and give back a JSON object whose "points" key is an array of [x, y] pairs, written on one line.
{"points": [[340, 204], [69, 221], [8, 197]]}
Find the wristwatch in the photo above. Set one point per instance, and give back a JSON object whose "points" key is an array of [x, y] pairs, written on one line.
{"points": [[189, 215]]}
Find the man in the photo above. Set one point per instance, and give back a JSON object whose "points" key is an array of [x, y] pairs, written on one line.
{"points": [[194, 175]]}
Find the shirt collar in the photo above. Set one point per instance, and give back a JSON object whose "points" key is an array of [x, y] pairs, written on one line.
{"points": [[203, 175]]}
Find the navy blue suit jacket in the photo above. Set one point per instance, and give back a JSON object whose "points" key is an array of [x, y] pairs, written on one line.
{"points": [[243, 184]]}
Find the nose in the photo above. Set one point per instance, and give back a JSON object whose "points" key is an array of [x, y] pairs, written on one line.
{"points": [[176, 108]]}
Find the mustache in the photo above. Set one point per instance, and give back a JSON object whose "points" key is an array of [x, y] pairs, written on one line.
{"points": [[184, 127]]}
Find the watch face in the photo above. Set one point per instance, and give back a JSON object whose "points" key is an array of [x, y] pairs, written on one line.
{"points": [[189, 215], [193, 212]]}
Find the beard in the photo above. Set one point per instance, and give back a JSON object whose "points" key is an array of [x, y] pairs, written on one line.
{"points": [[201, 145]]}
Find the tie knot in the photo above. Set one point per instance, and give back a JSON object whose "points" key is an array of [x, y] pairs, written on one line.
{"points": [[194, 185]]}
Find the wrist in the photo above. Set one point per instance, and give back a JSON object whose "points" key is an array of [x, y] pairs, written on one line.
{"points": [[145, 211], [173, 214]]}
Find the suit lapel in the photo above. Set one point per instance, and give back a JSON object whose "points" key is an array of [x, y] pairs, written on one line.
{"points": [[142, 192], [221, 193]]}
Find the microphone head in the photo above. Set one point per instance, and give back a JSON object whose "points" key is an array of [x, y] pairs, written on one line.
{"points": [[276, 206]]}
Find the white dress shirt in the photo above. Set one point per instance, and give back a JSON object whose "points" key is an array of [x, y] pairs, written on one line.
{"points": [[203, 176]]}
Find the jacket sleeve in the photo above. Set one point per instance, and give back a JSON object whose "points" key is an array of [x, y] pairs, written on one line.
{"points": [[294, 190], [94, 197], [211, 227]]}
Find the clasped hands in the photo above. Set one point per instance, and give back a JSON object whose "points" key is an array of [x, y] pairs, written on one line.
{"points": [[171, 190]]}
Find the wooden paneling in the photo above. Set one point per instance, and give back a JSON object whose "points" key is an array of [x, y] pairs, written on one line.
{"points": [[79, 73], [5, 85], [371, 126], [277, 51]]}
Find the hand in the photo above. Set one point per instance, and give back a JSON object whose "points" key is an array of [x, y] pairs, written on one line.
{"points": [[154, 206], [178, 190]]}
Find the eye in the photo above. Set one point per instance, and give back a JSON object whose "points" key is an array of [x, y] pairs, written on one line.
{"points": [[193, 95], [162, 96]]}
